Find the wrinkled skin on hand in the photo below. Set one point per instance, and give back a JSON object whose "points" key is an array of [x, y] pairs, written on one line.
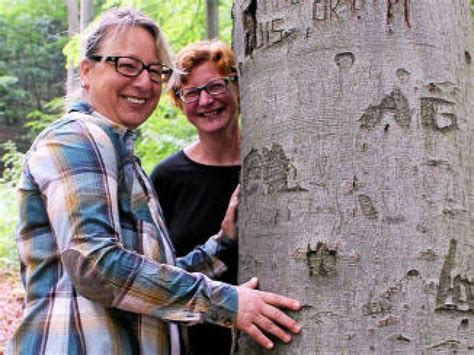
{"points": [[229, 223], [260, 312]]}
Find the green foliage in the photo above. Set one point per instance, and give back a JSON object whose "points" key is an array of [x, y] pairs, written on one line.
{"points": [[8, 210], [8, 218], [32, 35], [39, 119], [7, 83], [165, 132], [225, 20], [12, 159], [72, 51], [182, 23], [39, 65], [32, 8]]}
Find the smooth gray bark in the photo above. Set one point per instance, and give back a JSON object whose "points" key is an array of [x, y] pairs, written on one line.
{"points": [[358, 170], [72, 82], [87, 13], [80, 14], [212, 19]]}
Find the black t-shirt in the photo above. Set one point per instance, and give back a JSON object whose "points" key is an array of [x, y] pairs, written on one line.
{"points": [[194, 198]]}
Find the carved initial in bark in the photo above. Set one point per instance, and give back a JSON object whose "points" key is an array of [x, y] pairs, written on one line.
{"points": [[250, 26], [455, 292], [394, 6], [268, 171], [395, 103]]}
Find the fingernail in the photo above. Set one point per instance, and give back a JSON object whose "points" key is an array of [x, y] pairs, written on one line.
{"points": [[269, 345], [287, 339], [297, 328]]}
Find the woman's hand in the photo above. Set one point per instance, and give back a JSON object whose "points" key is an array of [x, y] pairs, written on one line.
{"points": [[260, 312], [229, 223]]}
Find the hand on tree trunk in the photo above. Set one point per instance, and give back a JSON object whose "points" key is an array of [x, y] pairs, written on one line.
{"points": [[229, 226], [259, 313]]}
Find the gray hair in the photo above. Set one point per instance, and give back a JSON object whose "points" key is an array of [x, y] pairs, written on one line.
{"points": [[117, 20]]}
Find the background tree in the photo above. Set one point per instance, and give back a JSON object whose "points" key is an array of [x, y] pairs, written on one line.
{"points": [[358, 174], [212, 19], [87, 13], [73, 29], [79, 15]]}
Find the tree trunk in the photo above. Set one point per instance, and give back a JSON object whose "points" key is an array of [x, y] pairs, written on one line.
{"points": [[87, 13], [212, 19], [357, 181], [73, 29]]}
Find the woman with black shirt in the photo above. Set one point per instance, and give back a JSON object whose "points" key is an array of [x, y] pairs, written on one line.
{"points": [[194, 185]]}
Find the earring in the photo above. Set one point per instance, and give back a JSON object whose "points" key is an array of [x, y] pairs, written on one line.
{"points": [[85, 86]]}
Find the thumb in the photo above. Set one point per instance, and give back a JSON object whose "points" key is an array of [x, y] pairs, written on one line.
{"points": [[252, 283]]}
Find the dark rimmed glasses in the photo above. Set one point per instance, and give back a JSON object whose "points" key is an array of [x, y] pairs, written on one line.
{"points": [[214, 87], [133, 67]]}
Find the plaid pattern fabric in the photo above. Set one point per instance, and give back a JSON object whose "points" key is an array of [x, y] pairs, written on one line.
{"points": [[96, 261]]}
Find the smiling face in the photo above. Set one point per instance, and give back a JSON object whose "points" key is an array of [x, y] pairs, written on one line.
{"points": [[211, 114], [124, 100]]}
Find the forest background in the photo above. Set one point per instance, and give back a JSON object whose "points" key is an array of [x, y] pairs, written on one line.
{"points": [[35, 52]]}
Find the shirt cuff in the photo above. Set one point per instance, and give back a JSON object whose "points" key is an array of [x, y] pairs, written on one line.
{"points": [[224, 244], [223, 306], [227, 251]]}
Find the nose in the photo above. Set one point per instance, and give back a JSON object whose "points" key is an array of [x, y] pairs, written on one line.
{"points": [[143, 80], [204, 98]]}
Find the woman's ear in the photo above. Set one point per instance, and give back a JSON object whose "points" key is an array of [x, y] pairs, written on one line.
{"points": [[85, 67]]}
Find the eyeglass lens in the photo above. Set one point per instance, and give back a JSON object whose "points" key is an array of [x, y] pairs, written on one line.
{"points": [[133, 67], [214, 87]]}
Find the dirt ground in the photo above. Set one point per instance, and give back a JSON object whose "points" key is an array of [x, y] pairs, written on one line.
{"points": [[11, 299]]}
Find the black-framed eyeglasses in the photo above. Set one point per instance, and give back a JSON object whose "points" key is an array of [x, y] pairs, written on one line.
{"points": [[133, 67], [214, 87]]}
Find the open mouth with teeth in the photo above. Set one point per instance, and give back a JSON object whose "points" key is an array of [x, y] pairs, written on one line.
{"points": [[136, 100], [212, 113]]}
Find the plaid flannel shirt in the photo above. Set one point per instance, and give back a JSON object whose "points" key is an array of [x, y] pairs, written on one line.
{"points": [[96, 261]]}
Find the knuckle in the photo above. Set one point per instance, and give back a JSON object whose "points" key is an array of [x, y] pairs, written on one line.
{"points": [[276, 313]]}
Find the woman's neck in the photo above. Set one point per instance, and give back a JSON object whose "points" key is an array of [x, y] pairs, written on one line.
{"points": [[222, 149]]}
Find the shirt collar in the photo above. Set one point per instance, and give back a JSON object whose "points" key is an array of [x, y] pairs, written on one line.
{"points": [[82, 106]]}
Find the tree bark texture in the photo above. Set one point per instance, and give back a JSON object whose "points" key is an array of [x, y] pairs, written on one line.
{"points": [[358, 163], [212, 19], [73, 20], [87, 13]]}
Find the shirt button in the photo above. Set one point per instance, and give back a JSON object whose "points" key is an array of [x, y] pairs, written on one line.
{"points": [[227, 322]]}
